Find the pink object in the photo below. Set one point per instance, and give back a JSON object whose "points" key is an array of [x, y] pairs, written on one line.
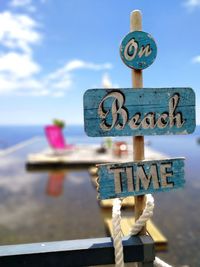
{"points": [[56, 139]]}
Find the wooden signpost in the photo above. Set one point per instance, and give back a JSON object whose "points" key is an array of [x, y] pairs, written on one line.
{"points": [[139, 112], [147, 111], [138, 178], [138, 50]]}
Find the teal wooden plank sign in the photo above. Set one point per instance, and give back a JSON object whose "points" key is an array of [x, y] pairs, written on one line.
{"points": [[139, 178], [138, 50], [147, 111]]}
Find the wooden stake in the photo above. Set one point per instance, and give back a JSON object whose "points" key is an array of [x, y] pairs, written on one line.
{"points": [[138, 141]]}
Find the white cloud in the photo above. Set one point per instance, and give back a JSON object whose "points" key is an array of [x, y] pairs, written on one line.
{"points": [[61, 79], [58, 94], [16, 3], [53, 84], [191, 4], [18, 65], [196, 59], [107, 83], [10, 85], [18, 31], [79, 64], [27, 4], [19, 72]]}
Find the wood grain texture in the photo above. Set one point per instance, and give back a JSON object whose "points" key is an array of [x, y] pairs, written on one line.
{"points": [[138, 50], [137, 178], [128, 202], [138, 141], [139, 112]]}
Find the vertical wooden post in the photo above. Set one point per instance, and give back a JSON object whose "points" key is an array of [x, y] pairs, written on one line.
{"points": [[138, 141]]}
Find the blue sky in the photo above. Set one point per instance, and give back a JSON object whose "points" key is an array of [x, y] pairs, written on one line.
{"points": [[52, 51]]}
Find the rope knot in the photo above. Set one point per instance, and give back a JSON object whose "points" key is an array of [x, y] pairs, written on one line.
{"points": [[137, 227]]}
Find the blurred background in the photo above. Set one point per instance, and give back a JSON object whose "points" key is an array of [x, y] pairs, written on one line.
{"points": [[51, 52]]}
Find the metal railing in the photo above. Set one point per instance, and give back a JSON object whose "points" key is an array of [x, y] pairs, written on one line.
{"points": [[83, 252]]}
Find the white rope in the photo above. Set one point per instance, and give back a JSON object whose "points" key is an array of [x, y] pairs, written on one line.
{"points": [[137, 227], [117, 234], [146, 215], [159, 263]]}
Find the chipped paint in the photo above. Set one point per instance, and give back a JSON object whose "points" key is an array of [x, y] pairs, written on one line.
{"points": [[141, 177], [147, 111], [138, 50]]}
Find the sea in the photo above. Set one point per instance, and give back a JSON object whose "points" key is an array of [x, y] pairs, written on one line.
{"points": [[26, 203], [12, 135]]}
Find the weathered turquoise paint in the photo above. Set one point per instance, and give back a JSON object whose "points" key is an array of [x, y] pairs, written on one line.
{"points": [[107, 187], [138, 50], [144, 102]]}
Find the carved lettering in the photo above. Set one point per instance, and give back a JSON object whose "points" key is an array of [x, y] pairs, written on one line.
{"points": [[165, 174], [175, 118], [148, 121], [117, 178], [117, 111], [162, 121], [145, 50], [131, 50], [129, 174], [117, 116], [145, 179], [134, 122], [139, 177]]}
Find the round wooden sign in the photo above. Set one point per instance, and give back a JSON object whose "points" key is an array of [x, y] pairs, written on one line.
{"points": [[138, 50]]}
